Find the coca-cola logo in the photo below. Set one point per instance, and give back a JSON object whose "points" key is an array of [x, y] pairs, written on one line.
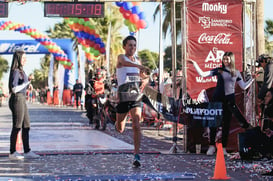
{"points": [[219, 39]]}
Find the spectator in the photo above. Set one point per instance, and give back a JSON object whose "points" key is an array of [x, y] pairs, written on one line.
{"points": [[77, 90], [227, 76], [18, 84]]}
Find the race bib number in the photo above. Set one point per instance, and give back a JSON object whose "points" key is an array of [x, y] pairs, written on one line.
{"points": [[132, 77]]}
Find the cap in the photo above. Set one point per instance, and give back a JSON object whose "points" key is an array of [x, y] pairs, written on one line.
{"points": [[98, 73], [263, 58]]}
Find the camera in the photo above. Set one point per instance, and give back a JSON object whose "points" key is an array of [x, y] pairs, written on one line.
{"points": [[263, 58]]}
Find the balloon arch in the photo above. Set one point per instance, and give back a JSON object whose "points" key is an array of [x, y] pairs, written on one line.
{"points": [[52, 47]]}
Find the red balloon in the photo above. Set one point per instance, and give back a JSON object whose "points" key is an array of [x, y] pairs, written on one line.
{"points": [[91, 31], [136, 3], [102, 50], [141, 24], [126, 14], [121, 10], [134, 18], [91, 44], [97, 46]]}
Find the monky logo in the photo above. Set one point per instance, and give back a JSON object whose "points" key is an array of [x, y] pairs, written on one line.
{"points": [[12, 47], [218, 7]]}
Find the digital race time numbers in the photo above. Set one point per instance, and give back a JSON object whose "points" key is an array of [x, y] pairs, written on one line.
{"points": [[4, 7], [74, 9]]}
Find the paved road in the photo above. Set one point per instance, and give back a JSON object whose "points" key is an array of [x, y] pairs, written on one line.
{"points": [[72, 150]]}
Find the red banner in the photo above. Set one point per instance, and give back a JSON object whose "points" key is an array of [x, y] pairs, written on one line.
{"points": [[213, 27]]}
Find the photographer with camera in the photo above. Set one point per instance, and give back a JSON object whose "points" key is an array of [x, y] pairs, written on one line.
{"points": [[265, 100], [266, 90], [265, 93]]}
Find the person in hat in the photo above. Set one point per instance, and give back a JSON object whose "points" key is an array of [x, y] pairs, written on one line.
{"points": [[266, 90], [265, 95]]}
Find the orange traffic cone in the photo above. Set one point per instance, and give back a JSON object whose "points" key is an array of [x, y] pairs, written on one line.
{"points": [[220, 171], [19, 143]]}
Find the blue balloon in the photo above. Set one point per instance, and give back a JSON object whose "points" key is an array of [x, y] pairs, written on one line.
{"points": [[119, 4], [127, 5], [91, 37], [141, 15], [135, 10], [133, 33], [85, 35], [102, 45], [98, 40]]}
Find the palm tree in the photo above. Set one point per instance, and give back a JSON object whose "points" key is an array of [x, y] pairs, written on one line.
{"points": [[166, 6], [113, 16], [269, 32], [41, 75], [61, 30]]}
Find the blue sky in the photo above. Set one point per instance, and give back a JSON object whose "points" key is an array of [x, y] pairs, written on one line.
{"points": [[32, 14]]}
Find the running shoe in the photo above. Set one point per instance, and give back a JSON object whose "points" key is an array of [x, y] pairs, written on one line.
{"points": [[16, 156], [31, 155], [136, 162]]}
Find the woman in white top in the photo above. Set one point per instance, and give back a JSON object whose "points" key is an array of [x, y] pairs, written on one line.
{"points": [[227, 76]]}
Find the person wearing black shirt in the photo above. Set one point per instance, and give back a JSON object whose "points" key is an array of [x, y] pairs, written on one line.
{"points": [[77, 89], [265, 99], [18, 85]]}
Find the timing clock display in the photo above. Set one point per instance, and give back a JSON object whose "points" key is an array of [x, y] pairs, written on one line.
{"points": [[74, 9], [4, 7]]}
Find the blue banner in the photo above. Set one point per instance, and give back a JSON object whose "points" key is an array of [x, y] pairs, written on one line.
{"points": [[208, 114], [34, 47]]}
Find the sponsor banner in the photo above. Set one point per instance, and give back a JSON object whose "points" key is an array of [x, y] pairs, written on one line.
{"points": [[32, 46], [214, 27], [207, 114], [29, 46], [164, 105]]}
